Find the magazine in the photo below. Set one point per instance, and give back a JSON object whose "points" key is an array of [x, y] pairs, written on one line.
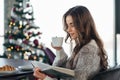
{"points": [[54, 71]]}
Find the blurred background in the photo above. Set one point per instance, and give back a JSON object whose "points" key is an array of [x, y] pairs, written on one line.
{"points": [[48, 16]]}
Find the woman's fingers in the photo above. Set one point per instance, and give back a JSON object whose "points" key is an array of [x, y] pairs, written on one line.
{"points": [[38, 74], [37, 69]]}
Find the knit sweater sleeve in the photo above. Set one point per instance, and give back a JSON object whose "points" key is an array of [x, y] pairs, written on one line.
{"points": [[61, 58], [88, 63]]}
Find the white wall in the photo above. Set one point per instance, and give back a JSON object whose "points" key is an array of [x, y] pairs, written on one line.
{"points": [[48, 15]]}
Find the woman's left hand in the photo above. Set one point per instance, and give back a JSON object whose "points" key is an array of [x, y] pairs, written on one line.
{"points": [[38, 74]]}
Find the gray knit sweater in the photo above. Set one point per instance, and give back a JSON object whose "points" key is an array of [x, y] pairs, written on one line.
{"points": [[86, 63]]}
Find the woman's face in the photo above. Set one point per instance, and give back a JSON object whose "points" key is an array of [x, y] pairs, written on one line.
{"points": [[71, 28]]}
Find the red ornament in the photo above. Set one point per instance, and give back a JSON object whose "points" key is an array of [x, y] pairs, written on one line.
{"points": [[28, 5], [39, 33], [13, 20], [36, 42], [29, 33], [17, 47], [25, 41], [10, 37]]}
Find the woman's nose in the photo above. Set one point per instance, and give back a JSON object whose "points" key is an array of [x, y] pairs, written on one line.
{"points": [[68, 29]]}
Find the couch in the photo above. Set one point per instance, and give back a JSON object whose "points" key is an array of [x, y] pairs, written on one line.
{"points": [[110, 74]]}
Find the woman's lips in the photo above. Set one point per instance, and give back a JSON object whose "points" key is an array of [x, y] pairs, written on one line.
{"points": [[71, 34]]}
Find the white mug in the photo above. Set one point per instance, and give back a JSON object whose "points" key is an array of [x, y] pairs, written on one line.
{"points": [[57, 41]]}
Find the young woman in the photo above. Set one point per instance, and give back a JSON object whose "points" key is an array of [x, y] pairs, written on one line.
{"points": [[88, 56]]}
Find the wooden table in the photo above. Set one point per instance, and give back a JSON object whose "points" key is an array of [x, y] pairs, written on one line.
{"points": [[18, 75]]}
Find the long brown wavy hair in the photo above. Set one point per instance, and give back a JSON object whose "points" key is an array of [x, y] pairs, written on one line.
{"points": [[86, 29]]}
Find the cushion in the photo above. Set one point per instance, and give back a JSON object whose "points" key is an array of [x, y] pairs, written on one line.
{"points": [[110, 74]]}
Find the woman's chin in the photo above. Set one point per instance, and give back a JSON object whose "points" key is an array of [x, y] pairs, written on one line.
{"points": [[73, 38]]}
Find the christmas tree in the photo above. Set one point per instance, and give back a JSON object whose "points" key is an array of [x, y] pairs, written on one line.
{"points": [[22, 36]]}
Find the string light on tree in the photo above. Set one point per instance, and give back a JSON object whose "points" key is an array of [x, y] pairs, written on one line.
{"points": [[22, 37]]}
